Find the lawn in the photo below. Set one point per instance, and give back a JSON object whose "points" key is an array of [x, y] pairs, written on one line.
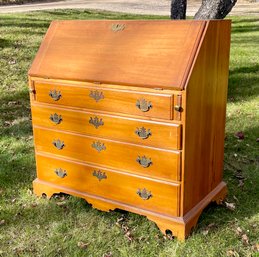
{"points": [[68, 226]]}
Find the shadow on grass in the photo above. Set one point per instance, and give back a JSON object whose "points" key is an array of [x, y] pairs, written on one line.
{"points": [[5, 43], [244, 25], [243, 83], [16, 153], [241, 176]]}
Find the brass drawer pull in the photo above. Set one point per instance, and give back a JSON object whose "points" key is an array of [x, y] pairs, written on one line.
{"points": [[144, 193], [144, 161], [98, 146], [55, 118], [61, 173], [178, 108], [96, 122], [55, 95], [143, 105], [58, 144], [96, 95], [143, 132], [100, 175]]}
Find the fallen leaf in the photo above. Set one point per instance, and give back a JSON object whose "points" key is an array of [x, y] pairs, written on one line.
{"points": [[7, 123], [235, 198], [211, 225], [169, 236], [34, 205], [125, 228], [82, 245], [118, 224], [245, 239], [240, 183], [2, 222], [61, 203], [29, 191], [239, 231], [12, 61], [239, 175], [129, 236], [240, 135], [12, 103], [120, 219], [62, 198], [207, 229], [230, 206], [109, 254], [18, 214], [142, 238], [205, 232], [255, 247], [232, 253], [13, 200]]}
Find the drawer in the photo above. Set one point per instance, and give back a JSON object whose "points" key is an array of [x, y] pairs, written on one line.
{"points": [[147, 194], [147, 161], [111, 100], [157, 134]]}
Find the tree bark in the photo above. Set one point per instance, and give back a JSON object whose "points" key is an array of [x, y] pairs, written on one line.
{"points": [[214, 9], [178, 9]]}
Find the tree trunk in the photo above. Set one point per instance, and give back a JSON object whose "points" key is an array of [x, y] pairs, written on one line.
{"points": [[178, 9], [214, 9]]}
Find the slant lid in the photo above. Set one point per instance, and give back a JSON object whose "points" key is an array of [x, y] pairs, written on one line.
{"points": [[138, 53]]}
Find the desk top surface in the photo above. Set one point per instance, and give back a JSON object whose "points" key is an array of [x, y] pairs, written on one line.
{"points": [[141, 53]]}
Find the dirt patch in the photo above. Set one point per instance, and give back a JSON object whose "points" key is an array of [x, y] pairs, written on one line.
{"points": [[9, 2]]}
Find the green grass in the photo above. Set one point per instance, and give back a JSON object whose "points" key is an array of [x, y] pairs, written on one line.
{"points": [[38, 227]]}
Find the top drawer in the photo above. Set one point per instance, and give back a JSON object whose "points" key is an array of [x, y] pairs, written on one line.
{"points": [[149, 104]]}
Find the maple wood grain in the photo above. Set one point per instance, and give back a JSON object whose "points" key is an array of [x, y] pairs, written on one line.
{"points": [[117, 186], [204, 124], [163, 135], [119, 155], [145, 53], [117, 101]]}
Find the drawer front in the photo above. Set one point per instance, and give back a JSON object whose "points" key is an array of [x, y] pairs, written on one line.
{"points": [[132, 190], [157, 134], [118, 101], [151, 162]]}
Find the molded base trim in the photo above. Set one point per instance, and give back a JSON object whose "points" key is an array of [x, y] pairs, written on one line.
{"points": [[180, 226]]}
